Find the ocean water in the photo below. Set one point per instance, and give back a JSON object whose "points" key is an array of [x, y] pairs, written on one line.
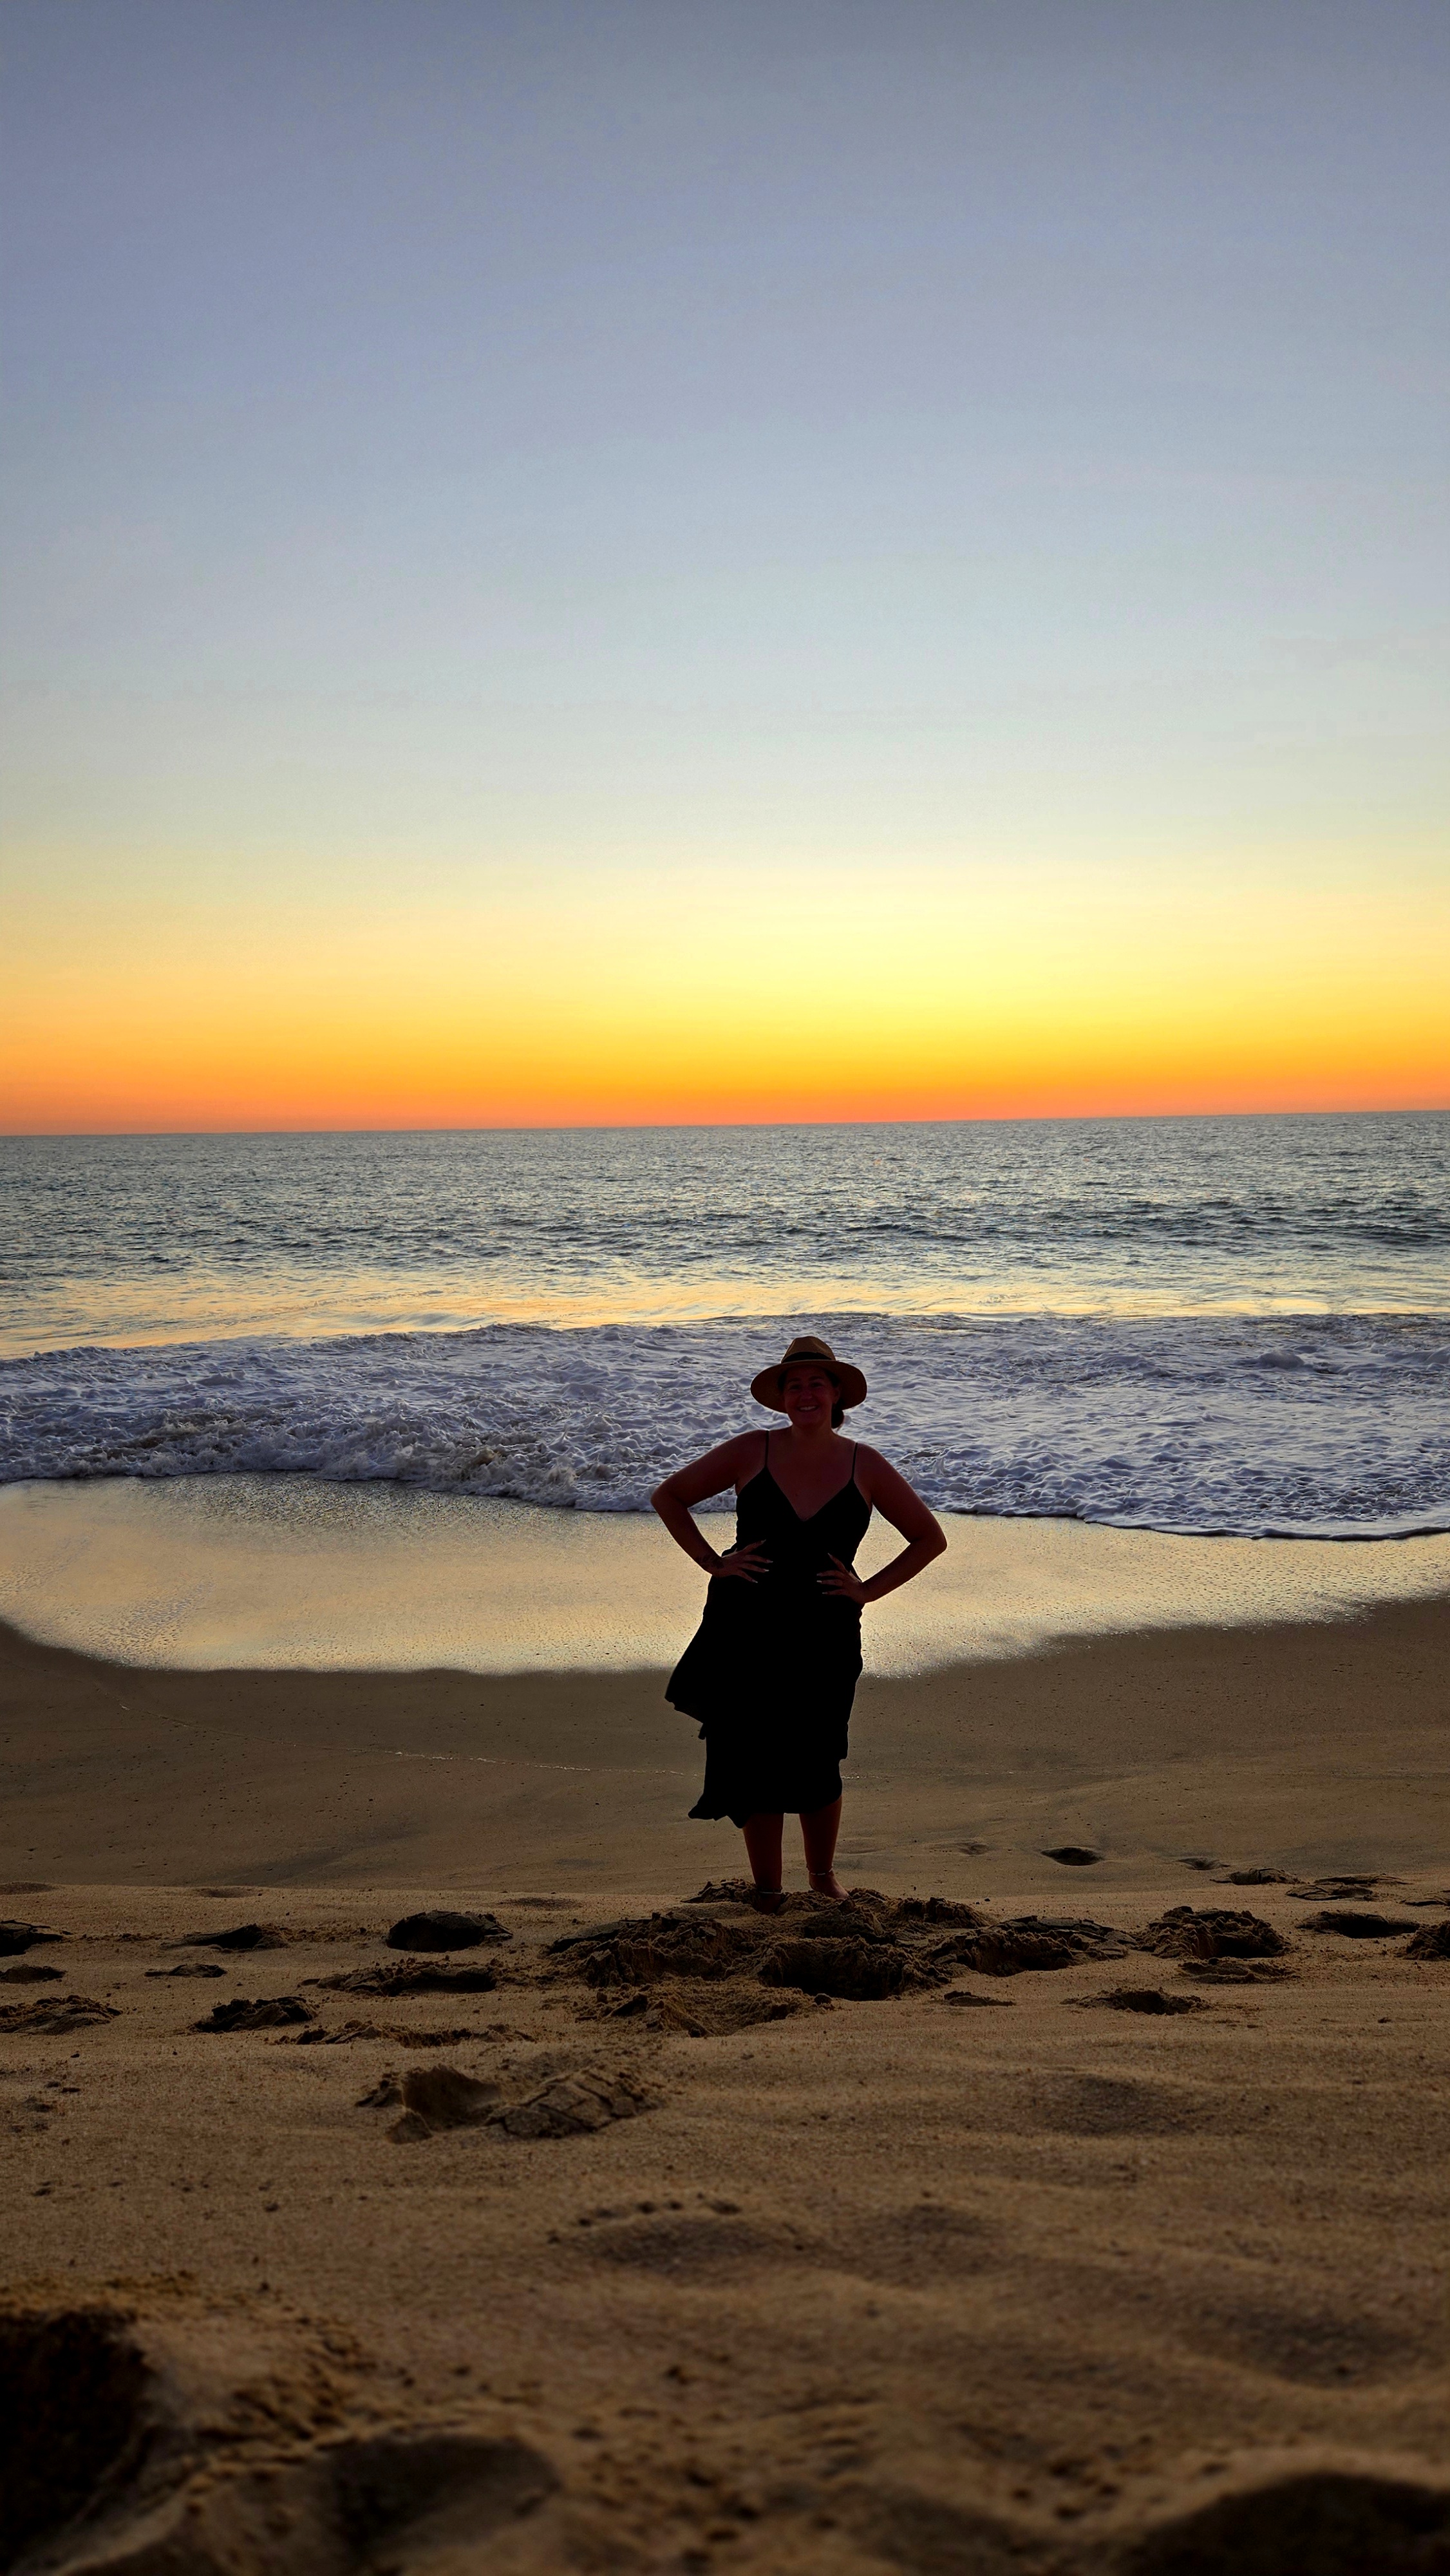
{"points": [[1233, 1325]]}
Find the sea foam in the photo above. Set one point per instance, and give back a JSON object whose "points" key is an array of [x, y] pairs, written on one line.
{"points": [[1297, 1426]]}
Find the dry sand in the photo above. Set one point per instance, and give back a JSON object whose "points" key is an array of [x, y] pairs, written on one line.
{"points": [[1022, 2282]]}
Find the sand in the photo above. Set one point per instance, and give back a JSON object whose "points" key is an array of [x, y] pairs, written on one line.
{"points": [[1309, 1747], [1022, 2280], [287, 1572]]}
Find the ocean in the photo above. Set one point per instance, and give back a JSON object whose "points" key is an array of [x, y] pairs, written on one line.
{"points": [[1211, 1325]]}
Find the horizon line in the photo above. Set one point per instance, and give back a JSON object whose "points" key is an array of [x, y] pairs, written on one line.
{"points": [[727, 1126]]}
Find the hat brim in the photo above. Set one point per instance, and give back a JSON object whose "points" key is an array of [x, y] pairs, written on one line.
{"points": [[766, 1387]]}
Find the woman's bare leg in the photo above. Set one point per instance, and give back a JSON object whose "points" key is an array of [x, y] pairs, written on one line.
{"points": [[818, 1833], [762, 1844]]}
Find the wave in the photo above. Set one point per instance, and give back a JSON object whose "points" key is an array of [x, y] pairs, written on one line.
{"points": [[1298, 1426]]}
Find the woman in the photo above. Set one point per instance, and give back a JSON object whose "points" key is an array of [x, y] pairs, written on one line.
{"points": [[772, 1669]]}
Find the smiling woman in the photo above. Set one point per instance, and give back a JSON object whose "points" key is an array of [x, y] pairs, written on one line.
{"points": [[772, 1669]]}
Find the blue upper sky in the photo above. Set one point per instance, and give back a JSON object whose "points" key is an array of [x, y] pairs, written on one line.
{"points": [[775, 403]]}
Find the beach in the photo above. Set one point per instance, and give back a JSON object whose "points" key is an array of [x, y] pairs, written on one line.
{"points": [[1069, 2202], [983, 2272], [726, 798], [1301, 1747]]}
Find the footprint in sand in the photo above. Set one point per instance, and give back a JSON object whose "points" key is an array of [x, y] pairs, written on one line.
{"points": [[695, 2246], [106, 2389], [1319, 2346], [919, 2247], [1103, 2106], [433, 2098], [1327, 2522]]}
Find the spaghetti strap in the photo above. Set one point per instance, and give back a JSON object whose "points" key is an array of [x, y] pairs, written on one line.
{"points": [[854, 1447]]}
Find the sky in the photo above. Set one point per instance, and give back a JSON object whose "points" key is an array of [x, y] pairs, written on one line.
{"points": [[581, 563]]}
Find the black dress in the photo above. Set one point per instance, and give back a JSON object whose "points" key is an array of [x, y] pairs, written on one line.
{"points": [[771, 1671]]}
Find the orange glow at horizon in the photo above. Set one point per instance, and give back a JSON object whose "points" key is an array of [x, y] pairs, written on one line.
{"points": [[913, 994]]}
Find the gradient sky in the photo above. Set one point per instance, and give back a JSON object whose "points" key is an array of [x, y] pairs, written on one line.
{"points": [[823, 559]]}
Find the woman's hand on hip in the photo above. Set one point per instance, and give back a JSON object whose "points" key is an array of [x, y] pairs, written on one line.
{"points": [[843, 1581], [741, 1564]]}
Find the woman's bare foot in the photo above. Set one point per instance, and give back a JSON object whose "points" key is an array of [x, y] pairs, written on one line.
{"points": [[767, 1900], [824, 1882]]}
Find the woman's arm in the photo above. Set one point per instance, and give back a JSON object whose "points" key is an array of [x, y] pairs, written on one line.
{"points": [[695, 1484], [897, 1502]]}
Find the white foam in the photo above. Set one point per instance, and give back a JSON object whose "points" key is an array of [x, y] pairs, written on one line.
{"points": [[1322, 1426]]}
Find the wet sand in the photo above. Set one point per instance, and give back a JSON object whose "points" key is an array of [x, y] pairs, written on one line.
{"points": [[211, 1572], [1022, 2281], [1308, 1747]]}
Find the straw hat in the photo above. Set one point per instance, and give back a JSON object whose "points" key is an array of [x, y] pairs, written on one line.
{"points": [[766, 1387]]}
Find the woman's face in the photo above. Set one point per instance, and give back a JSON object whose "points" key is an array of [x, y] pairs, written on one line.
{"points": [[808, 1395]]}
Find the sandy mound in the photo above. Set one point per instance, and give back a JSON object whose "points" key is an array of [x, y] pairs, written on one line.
{"points": [[15, 1938], [567, 2105], [867, 1949], [1233, 1972], [56, 2013], [1031, 1941], [268, 2012], [409, 1977], [241, 1936], [1343, 1889], [694, 2009], [438, 1929], [1139, 1999], [636, 1951], [349, 2033], [1354, 1925], [1212, 1932], [864, 1971]]}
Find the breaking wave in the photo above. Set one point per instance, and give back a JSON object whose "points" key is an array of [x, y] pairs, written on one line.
{"points": [[1303, 1426]]}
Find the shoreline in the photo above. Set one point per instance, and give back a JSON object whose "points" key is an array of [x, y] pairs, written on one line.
{"points": [[216, 1573], [1309, 1746]]}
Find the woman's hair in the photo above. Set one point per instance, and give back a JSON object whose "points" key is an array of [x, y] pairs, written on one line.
{"points": [[838, 1410]]}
